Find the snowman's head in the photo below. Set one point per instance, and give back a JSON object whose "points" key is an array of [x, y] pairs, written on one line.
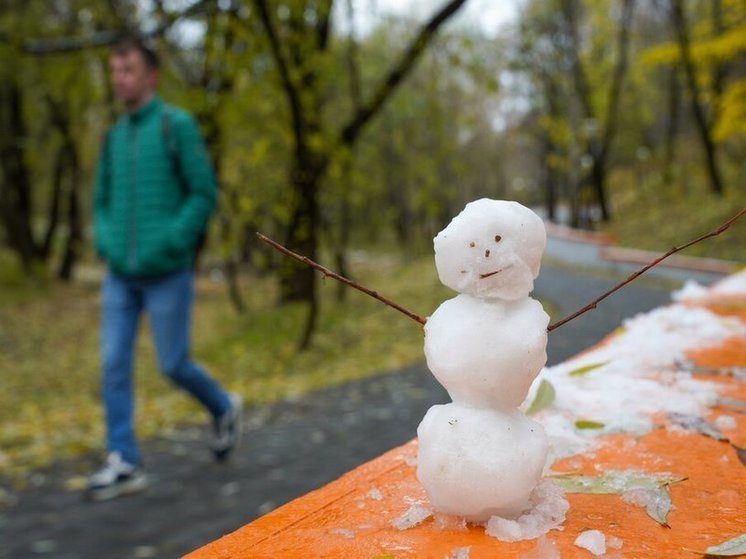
{"points": [[492, 249]]}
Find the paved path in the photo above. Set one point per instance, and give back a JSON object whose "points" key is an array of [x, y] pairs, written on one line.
{"points": [[290, 448]]}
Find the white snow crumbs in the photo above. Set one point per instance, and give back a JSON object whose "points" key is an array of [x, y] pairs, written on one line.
{"points": [[634, 379], [459, 553], [414, 515], [375, 494], [735, 284], [725, 422], [592, 540], [545, 549], [547, 512]]}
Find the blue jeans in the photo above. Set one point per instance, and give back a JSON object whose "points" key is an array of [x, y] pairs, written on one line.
{"points": [[167, 301]]}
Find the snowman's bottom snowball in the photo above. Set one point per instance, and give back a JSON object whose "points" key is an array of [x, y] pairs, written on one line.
{"points": [[478, 463], [547, 512]]}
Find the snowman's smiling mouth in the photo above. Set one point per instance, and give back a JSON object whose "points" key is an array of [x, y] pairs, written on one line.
{"points": [[490, 274]]}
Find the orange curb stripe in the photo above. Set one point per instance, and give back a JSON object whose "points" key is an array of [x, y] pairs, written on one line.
{"points": [[343, 520]]}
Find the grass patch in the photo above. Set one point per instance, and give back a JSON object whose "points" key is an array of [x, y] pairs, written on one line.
{"points": [[652, 216], [49, 363]]}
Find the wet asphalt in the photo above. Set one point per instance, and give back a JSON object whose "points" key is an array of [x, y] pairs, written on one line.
{"points": [[289, 448]]}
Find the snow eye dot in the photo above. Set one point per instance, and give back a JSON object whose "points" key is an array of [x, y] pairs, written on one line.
{"points": [[498, 238], [472, 244]]}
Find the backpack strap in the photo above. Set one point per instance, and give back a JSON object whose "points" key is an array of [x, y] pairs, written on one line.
{"points": [[107, 157], [173, 154], [172, 148]]}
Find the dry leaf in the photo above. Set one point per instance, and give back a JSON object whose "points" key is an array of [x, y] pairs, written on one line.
{"points": [[544, 398]]}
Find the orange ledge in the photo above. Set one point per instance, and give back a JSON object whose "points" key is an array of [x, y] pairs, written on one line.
{"points": [[351, 517]]}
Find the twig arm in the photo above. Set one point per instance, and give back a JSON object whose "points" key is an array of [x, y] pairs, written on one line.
{"points": [[595, 302], [327, 272]]}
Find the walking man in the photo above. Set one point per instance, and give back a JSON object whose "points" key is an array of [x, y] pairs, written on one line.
{"points": [[154, 193]]}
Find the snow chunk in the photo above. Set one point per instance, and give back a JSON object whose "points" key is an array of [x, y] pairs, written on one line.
{"points": [[449, 523], [545, 549], [592, 540], [375, 494], [734, 284], [344, 532], [548, 510], [690, 291], [614, 543], [414, 515], [725, 422], [492, 249], [459, 553]]}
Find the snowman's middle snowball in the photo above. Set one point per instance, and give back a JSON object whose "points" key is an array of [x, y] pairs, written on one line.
{"points": [[487, 353]]}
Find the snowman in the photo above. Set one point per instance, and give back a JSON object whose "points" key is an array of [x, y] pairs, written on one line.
{"points": [[480, 456]]}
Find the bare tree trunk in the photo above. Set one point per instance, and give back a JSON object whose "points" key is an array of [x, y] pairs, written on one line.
{"points": [[218, 81], [15, 187], [680, 25], [74, 238], [672, 124], [66, 180], [549, 149], [344, 229], [345, 219], [599, 145]]}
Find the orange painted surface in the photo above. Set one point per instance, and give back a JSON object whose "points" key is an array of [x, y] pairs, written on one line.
{"points": [[351, 517]]}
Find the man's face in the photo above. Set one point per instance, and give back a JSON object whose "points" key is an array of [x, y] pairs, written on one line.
{"points": [[131, 78]]}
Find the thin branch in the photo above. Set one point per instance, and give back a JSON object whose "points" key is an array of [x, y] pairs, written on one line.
{"points": [[398, 72], [334, 275], [634, 276], [551, 327]]}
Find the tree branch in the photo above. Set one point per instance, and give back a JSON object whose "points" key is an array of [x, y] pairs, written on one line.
{"points": [[334, 275], [634, 276], [100, 38], [283, 67], [323, 28], [398, 72], [620, 69]]}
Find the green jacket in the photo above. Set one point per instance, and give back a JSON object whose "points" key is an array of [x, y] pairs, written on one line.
{"points": [[148, 215]]}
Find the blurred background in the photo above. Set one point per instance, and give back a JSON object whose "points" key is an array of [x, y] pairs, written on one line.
{"points": [[351, 131]]}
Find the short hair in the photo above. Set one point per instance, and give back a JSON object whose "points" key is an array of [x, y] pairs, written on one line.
{"points": [[129, 44]]}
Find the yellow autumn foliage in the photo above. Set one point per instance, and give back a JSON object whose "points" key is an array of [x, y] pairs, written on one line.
{"points": [[732, 117]]}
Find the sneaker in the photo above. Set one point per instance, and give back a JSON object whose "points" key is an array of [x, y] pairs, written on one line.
{"points": [[115, 478], [227, 429]]}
